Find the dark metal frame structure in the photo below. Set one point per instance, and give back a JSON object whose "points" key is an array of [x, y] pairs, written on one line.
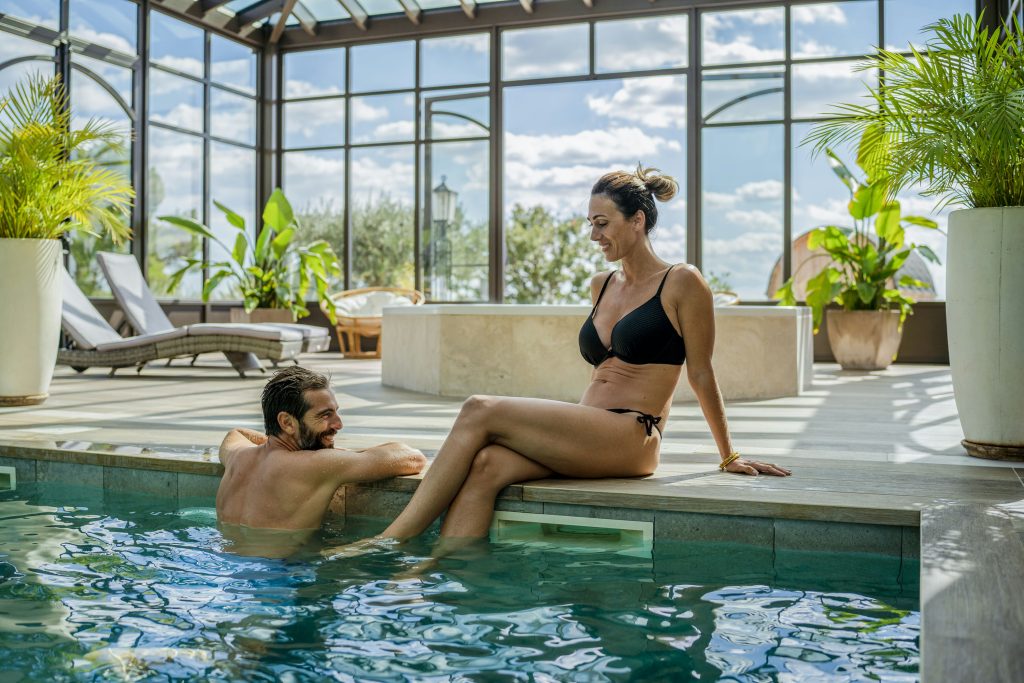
{"points": [[274, 38]]}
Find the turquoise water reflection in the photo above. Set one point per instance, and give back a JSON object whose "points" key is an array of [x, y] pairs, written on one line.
{"points": [[98, 586]]}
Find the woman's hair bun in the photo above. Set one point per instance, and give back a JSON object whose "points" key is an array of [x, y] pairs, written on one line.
{"points": [[663, 187]]}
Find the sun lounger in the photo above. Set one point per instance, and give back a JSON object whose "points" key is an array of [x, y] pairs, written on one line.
{"points": [[97, 344], [145, 315]]}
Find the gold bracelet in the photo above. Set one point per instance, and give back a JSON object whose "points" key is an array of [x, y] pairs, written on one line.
{"points": [[725, 463]]}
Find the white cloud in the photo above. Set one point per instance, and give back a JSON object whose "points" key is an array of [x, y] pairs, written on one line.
{"points": [[110, 40], [297, 88], [733, 36], [756, 218], [588, 147], [363, 112], [183, 116], [184, 64], [658, 102], [760, 189], [395, 130], [746, 243], [818, 14], [382, 174], [477, 42], [812, 48]]}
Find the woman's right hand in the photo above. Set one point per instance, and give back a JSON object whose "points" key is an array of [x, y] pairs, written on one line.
{"points": [[753, 467]]}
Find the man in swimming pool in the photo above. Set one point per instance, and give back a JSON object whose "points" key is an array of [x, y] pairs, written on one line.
{"points": [[285, 479]]}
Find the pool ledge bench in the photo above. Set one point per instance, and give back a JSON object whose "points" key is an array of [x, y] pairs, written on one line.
{"points": [[531, 350]]}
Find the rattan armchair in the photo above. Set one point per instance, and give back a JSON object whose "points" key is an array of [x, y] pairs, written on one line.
{"points": [[359, 313]]}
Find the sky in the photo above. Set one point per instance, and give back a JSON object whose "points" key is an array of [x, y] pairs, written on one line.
{"points": [[558, 139]]}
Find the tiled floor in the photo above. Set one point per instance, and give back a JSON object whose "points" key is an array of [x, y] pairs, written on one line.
{"points": [[873, 447]]}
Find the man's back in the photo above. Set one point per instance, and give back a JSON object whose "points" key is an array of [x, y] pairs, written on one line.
{"points": [[266, 485]]}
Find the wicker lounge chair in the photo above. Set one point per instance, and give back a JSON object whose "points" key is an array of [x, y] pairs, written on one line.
{"points": [[94, 343], [360, 312], [145, 315]]}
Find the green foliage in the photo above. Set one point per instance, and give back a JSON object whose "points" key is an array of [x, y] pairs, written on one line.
{"points": [[719, 282], [862, 272], [951, 116], [550, 261], [49, 184], [273, 271], [382, 244]]}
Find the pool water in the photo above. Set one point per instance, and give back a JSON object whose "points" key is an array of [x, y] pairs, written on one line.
{"points": [[109, 586]]}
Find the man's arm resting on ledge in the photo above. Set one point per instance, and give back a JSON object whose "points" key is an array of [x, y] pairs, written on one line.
{"points": [[240, 437], [370, 464]]}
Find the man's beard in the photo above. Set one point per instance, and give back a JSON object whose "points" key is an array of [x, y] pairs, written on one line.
{"points": [[312, 441]]}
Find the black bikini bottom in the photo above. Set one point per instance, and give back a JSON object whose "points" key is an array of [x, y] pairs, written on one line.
{"points": [[648, 421]]}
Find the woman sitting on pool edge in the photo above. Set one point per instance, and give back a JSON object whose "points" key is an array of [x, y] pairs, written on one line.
{"points": [[634, 338]]}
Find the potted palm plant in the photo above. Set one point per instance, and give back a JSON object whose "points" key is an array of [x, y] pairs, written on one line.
{"points": [[272, 273], [862, 274], [951, 117], [49, 185]]}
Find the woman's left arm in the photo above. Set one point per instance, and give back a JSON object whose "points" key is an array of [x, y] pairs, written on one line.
{"points": [[696, 315]]}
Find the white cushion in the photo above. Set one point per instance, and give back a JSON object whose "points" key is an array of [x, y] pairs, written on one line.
{"points": [[81, 319], [370, 304], [256, 331], [307, 331], [142, 340]]}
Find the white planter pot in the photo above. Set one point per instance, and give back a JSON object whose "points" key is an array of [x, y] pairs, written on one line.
{"points": [[985, 324], [30, 301]]}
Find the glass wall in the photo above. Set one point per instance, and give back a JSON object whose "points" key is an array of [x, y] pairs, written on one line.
{"points": [[202, 148], [368, 142]]}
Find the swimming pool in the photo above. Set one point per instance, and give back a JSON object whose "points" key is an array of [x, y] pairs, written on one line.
{"points": [[99, 585]]}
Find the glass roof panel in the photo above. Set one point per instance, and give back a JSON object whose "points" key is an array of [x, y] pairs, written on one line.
{"points": [[435, 4], [325, 10], [378, 7]]}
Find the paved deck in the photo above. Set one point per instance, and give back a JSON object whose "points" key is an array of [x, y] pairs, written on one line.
{"points": [[866, 447]]}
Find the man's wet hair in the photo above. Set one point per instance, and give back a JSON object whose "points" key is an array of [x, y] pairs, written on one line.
{"points": [[286, 391]]}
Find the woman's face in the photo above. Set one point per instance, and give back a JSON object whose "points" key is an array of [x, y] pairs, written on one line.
{"points": [[613, 232]]}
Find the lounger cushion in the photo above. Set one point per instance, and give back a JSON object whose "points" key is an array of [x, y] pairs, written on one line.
{"points": [[142, 340], [80, 318], [131, 291], [369, 305], [255, 331], [314, 338]]}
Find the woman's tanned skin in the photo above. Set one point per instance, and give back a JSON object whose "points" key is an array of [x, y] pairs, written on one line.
{"points": [[497, 441]]}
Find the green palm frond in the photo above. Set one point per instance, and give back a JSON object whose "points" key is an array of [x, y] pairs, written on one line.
{"points": [[950, 116], [49, 181]]}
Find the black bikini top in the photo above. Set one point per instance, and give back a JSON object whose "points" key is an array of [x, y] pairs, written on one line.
{"points": [[641, 337]]}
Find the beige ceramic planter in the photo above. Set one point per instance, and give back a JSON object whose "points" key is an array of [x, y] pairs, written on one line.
{"points": [[30, 300], [262, 315], [864, 340], [985, 326]]}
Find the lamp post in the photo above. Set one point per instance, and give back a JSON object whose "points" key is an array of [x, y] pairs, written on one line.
{"points": [[444, 199]]}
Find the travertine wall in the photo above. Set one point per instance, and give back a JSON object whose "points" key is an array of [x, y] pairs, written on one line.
{"points": [[525, 350]]}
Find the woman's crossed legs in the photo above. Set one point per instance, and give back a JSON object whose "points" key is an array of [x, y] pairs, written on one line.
{"points": [[497, 441]]}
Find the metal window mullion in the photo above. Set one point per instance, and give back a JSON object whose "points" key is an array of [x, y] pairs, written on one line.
{"points": [[417, 224], [592, 47], [496, 240], [207, 146], [694, 230], [140, 147], [346, 218], [787, 157]]}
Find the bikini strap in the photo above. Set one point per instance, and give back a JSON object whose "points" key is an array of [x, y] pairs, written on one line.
{"points": [[603, 287], [663, 279]]}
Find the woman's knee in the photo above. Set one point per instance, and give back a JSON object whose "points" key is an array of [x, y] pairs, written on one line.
{"points": [[477, 408], [486, 469]]}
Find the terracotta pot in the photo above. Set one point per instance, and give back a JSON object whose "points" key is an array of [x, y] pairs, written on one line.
{"points": [[262, 315], [864, 340], [985, 323], [30, 301]]}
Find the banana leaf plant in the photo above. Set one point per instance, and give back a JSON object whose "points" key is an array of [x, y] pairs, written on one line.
{"points": [[274, 271], [865, 259]]}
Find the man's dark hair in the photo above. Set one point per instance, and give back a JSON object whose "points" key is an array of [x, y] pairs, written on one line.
{"points": [[286, 391]]}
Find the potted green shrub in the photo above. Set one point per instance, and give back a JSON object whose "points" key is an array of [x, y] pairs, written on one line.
{"points": [[272, 273], [951, 117], [862, 275], [49, 185]]}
